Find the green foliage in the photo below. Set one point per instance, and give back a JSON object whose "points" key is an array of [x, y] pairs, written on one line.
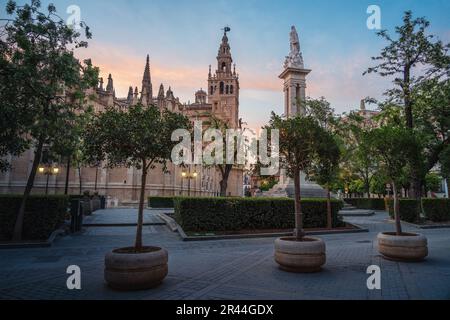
{"points": [[437, 210], [160, 202], [394, 147], [367, 203], [137, 137], [432, 182], [325, 167], [43, 215], [268, 184], [236, 214], [378, 183], [409, 209], [299, 143]]}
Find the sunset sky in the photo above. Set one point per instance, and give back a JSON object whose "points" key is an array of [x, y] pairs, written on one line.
{"points": [[182, 38]]}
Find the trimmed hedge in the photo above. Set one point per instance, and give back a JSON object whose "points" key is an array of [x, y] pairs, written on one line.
{"points": [[437, 210], [43, 215], [367, 203], [160, 202], [409, 209], [236, 214]]}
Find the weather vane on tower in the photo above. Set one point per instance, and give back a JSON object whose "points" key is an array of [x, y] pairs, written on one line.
{"points": [[226, 29]]}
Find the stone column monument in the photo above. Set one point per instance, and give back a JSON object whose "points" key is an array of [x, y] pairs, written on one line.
{"points": [[294, 77]]}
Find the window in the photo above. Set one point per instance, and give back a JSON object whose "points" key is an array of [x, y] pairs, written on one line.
{"points": [[224, 66], [231, 89], [227, 89], [222, 87], [212, 90]]}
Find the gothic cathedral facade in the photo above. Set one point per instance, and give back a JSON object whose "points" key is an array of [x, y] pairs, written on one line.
{"points": [[121, 185]]}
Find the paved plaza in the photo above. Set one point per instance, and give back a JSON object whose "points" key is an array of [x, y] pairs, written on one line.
{"points": [[226, 269]]}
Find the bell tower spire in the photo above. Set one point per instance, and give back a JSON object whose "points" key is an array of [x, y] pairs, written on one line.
{"points": [[224, 59], [147, 90], [223, 86]]}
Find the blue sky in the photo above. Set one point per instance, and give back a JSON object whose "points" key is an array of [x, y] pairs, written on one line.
{"points": [[182, 38]]}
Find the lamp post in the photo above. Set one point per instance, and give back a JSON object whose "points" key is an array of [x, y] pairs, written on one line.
{"points": [[48, 170], [189, 176]]}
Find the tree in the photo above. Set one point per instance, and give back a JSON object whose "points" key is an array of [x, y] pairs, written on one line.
{"points": [[325, 167], [224, 168], [68, 146], [432, 114], [432, 182], [356, 156], [413, 49], [46, 82], [298, 149], [393, 147], [138, 137]]}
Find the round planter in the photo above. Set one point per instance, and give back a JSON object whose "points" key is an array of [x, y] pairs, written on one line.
{"points": [[300, 256], [125, 270], [407, 247]]}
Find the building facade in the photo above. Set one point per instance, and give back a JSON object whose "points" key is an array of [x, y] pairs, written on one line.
{"points": [[123, 184]]}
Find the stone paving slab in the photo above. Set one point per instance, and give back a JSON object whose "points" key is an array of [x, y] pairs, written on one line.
{"points": [[120, 217], [228, 269]]}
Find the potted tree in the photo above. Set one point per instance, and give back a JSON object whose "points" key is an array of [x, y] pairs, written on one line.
{"points": [[137, 137], [395, 146], [298, 147]]}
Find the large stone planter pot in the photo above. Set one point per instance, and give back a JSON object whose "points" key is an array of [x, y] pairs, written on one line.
{"points": [[125, 270], [407, 247], [300, 256]]}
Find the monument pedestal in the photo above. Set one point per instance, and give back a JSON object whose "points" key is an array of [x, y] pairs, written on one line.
{"points": [[285, 188]]}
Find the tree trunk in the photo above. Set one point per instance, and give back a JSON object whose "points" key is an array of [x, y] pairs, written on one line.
{"points": [[18, 227], [329, 213], [140, 222], [223, 188], [298, 232], [224, 181], [80, 179], [66, 188], [407, 97], [398, 225]]}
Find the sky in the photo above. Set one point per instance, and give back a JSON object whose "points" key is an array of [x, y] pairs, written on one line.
{"points": [[182, 38]]}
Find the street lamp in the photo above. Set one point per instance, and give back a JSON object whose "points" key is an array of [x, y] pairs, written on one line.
{"points": [[48, 170], [189, 176]]}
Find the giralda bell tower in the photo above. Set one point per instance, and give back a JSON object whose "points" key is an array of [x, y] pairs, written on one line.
{"points": [[223, 86]]}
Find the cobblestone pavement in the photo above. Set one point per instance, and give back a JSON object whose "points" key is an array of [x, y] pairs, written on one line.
{"points": [[227, 269]]}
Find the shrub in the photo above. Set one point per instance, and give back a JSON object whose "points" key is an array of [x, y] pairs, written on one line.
{"points": [[409, 209], [367, 203], [437, 210], [43, 215], [160, 202], [236, 214]]}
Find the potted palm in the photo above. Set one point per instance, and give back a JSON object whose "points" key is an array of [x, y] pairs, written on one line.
{"points": [[138, 137], [395, 146], [298, 147]]}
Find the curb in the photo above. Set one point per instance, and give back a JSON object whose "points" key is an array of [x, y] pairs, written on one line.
{"points": [[30, 245], [426, 227], [170, 222], [88, 225], [266, 235]]}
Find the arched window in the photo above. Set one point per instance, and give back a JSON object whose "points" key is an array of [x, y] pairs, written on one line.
{"points": [[224, 66], [227, 89], [231, 89], [222, 87], [212, 90]]}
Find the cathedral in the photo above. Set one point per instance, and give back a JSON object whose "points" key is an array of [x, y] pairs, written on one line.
{"points": [[122, 185]]}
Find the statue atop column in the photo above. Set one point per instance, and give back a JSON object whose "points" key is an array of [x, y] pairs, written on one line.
{"points": [[295, 58]]}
